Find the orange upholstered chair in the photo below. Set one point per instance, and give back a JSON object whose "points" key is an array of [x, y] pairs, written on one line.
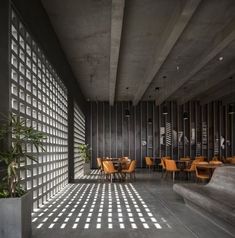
{"points": [[131, 169], [109, 169], [200, 158], [171, 167], [216, 162], [202, 173], [100, 166], [163, 165], [192, 168], [125, 162], [149, 162]]}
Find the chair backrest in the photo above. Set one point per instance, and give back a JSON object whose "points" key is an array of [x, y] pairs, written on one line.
{"points": [[199, 170], [170, 165], [108, 166], [132, 166], [99, 162], [166, 157], [202, 162], [215, 158], [163, 163], [230, 160], [193, 165], [200, 158], [148, 161], [125, 162], [215, 162], [185, 159]]}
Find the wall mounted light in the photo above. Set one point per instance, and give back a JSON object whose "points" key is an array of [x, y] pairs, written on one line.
{"points": [[231, 109], [185, 116], [127, 113], [150, 121], [164, 110]]}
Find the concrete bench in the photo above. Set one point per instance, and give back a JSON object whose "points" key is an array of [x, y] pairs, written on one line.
{"points": [[216, 200]]}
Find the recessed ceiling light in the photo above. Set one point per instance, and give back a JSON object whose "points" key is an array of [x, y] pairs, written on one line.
{"points": [[221, 58]]}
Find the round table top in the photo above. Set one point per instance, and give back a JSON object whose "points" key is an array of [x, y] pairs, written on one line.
{"points": [[208, 166]]}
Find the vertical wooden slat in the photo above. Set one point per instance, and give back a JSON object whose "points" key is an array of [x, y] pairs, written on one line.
{"points": [[110, 134], [97, 130], [220, 134], [214, 137], [141, 160], [226, 130], [202, 120], [135, 132], [195, 113], [92, 150], [208, 130], [153, 130], [177, 119], [190, 129], [172, 126]]}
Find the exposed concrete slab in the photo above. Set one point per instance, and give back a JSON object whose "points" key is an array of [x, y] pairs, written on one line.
{"points": [[141, 58]]}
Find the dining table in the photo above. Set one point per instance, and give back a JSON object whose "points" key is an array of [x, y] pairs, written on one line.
{"points": [[183, 164]]}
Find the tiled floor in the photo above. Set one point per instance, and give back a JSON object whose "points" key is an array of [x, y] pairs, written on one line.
{"points": [[146, 207]]}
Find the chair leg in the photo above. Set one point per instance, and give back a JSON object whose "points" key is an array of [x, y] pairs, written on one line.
{"points": [[166, 175], [173, 174]]}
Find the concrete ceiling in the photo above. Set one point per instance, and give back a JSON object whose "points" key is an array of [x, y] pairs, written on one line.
{"points": [[148, 49]]}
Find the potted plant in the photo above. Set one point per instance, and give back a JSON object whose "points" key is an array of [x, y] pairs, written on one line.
{"points": [[84, 150], [15, 201]]}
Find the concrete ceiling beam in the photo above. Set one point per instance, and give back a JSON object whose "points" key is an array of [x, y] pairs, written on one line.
{"points": [[116, 33], [228, 99], [207, 84], [172, 33], [221, 41], [219, 92]]}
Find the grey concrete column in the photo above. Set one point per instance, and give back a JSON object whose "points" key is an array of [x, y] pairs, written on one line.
{"points": [[4, 68]]}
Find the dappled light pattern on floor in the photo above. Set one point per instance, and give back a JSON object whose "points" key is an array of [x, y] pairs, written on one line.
{"points": [[94, 174], [98, 206]]}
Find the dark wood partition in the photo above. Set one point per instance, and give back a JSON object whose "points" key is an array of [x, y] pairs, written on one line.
{"points": [[208, 130]]}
